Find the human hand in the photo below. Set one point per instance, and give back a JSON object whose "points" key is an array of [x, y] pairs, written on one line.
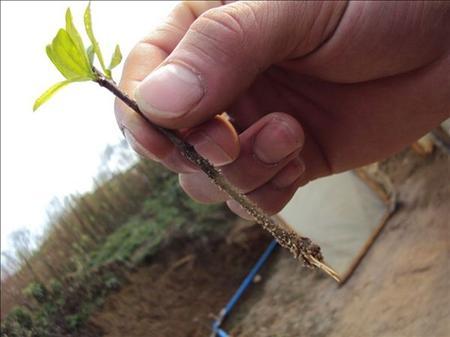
{"points": [[311, 88]]}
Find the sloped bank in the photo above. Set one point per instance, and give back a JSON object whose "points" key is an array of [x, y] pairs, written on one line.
{"points": [[178, 292]]}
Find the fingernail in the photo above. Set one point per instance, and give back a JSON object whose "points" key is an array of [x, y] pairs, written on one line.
{"points": [[237, 209], [209, 149], [176, 162], [275, 142], [137, 147], [289, 174], [169, 91]]}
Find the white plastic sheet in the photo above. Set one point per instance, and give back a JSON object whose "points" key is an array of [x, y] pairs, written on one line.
{"points": [[341, 213]]}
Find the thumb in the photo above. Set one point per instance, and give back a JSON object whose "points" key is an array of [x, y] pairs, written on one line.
{"points": [[222, 52]]}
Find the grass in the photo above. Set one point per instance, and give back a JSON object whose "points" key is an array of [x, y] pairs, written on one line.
{"points": [[120, 245]]}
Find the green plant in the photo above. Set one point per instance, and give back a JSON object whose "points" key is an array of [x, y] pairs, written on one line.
{"points": [[75, 63], [74, 321], [112, 282], [37, 291], [160, 216], [23, 317]]}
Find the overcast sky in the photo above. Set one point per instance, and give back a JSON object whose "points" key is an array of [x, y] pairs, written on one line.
{"points": [[55, 151]]}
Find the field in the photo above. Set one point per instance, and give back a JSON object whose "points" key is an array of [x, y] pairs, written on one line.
{"points": [[171, 265], [182, 290], [92, 243]]}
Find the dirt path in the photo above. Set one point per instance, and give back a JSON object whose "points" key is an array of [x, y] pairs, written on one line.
{"points": [[401, 288], [182, 289]]}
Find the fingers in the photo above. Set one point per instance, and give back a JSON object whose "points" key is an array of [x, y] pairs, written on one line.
{"points": [[193, 68], [221, 53], [220, 142], [266, 147], [269, 198], [215, 140], [270, 146], [379, 39], [274, 195]]}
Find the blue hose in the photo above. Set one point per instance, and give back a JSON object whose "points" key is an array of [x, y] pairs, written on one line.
{"points": [[242, 288]]}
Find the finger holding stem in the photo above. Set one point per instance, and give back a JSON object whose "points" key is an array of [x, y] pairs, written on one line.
{"points": [[300, 247]]}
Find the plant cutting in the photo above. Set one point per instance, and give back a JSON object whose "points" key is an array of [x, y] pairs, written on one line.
{"points": [[76, 63]]}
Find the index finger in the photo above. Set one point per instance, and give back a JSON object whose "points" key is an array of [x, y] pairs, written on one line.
{"points": [[147, 55]]}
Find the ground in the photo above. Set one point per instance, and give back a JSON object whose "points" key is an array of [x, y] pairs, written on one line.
{"points": [[181, 290], [401, 288]]}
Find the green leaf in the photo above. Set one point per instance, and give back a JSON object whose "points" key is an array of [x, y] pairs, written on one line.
{"points": [[95, 45], [90, 53], [116, 58], [76, 39], [108, 73], [53, 89], [67, 58], [66, 71], [68, 54]]}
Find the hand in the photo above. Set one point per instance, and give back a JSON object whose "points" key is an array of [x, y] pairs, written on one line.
{"points": [[311, 89]]}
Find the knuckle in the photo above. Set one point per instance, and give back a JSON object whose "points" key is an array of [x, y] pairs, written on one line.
{"points": [[320, 21], [164, 36], [222, 32], [231, 24]]}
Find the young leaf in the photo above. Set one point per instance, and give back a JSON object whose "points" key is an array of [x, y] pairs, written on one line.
{"points": [[52, 90], [95, 45], [73, 61], [67, 72], [68, 57], [116, 58], [90, 54], [76, 39]]}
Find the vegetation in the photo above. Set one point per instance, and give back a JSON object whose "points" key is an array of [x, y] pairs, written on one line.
{"points": [[91, 243], [75, 62]]}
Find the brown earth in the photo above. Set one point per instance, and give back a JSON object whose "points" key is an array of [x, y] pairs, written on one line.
{"points": [[180, 291], [401, 288]]}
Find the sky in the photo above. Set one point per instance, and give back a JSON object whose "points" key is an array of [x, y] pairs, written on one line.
{"points": [[56, 151]]}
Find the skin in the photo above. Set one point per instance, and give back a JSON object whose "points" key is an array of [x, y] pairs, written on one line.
{"points": [[310, 88]]}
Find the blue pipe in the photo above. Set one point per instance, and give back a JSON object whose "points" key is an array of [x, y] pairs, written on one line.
{"points": [[242, 288], [221, 333]]}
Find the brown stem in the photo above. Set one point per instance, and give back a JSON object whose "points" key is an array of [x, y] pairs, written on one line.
{"points": [[300, 247]]}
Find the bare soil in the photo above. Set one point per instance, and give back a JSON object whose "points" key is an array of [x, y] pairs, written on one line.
{"points": [[181, 290], [401, 288]]}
